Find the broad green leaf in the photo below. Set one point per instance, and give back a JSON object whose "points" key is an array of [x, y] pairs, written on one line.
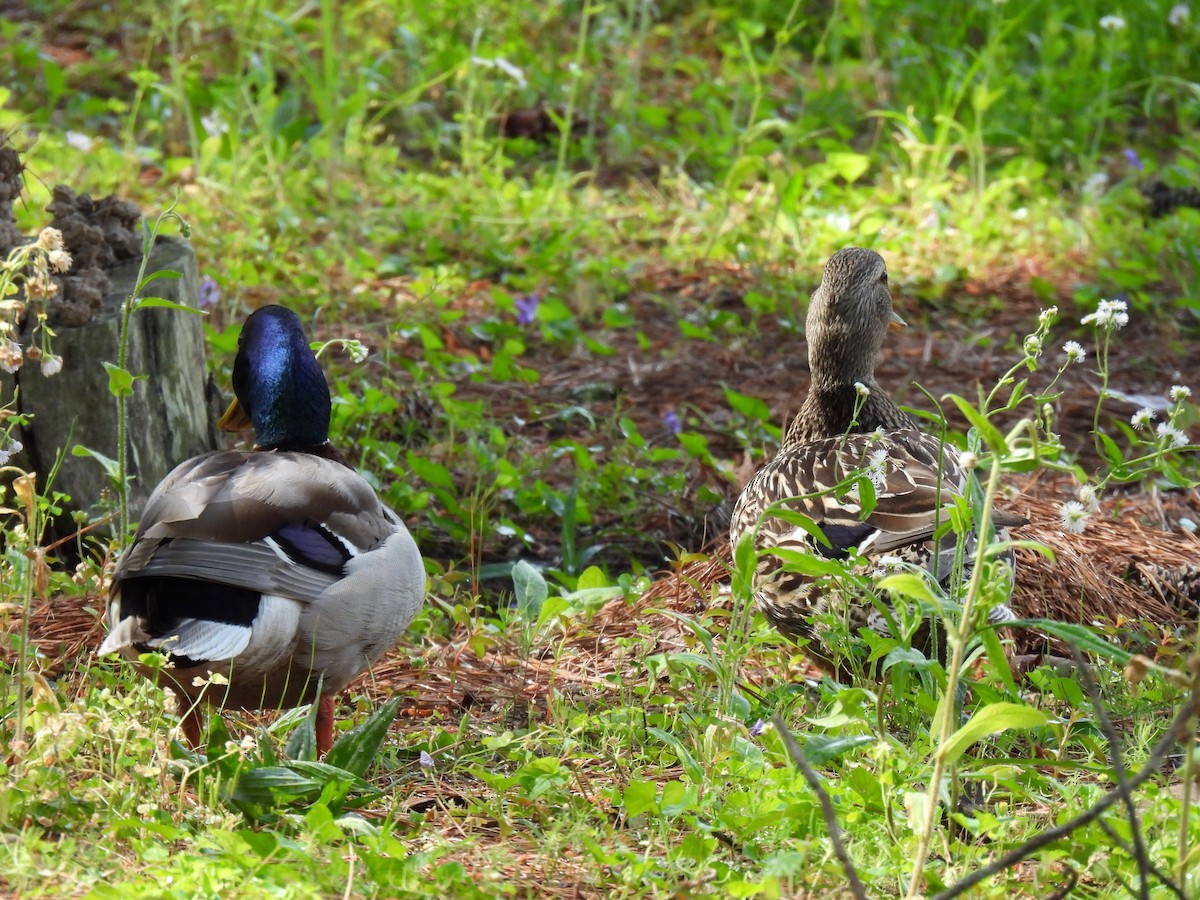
{"points": [[591, 578], [751, 407], [821, 749], [639, 797], [530, 589], [356, 749], [909, 585], [273, 786], [120, 381], [991, 719], [851, 166]]}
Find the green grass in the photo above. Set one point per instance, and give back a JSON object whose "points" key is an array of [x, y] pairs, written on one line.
{"points": [[667, 196]]}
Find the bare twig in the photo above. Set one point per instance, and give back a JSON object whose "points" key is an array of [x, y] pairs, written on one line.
{"points": [[1145, 867], [1173, 734], [835, 831]]}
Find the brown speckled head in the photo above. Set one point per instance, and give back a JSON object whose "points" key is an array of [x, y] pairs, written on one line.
{"points": [[848, 317]]}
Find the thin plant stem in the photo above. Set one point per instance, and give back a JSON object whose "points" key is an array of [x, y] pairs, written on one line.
{"points": [[1189, 775], [945, 722], [149, 236]]}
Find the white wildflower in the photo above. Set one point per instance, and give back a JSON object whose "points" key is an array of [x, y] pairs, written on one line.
{"points": [[14, 447], [1095, 184], [79, 141], [1178, 15], [1171, 436], [1073, 516], [60, 260], [51, 364], [1089, 498], [1020, 213], [1074, 352], [1142, 418], [968, 460], [1112, 23], [11, 356], [877, 467], [50, 239], [1109, 315], [1179, 393], [1033, 345], [1046, 316], [503, 65], [862, 390], [213, 124]]}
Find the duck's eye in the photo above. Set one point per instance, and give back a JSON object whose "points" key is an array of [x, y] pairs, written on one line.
{"points": [[883, 278]]}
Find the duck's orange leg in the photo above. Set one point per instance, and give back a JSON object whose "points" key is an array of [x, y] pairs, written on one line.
{"points": [[324, 723], [191, 726]]}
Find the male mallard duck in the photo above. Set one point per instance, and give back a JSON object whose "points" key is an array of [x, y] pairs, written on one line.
{"points": [[277, 568], [848, 424]]}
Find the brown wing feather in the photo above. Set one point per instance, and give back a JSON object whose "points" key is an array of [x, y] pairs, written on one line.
{"points": [[208, 518]]}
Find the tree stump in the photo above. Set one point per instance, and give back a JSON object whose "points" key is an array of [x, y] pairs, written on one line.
{"points": [[171, 414]]}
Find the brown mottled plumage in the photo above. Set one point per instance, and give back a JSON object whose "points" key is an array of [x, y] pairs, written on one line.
{"points": [[916, 480]]}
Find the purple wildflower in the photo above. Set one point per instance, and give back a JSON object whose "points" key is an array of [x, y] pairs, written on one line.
{"points": [[758, 728], [426, 760], [672, 422], [527, 307], [1134, 160], [209, 293]]}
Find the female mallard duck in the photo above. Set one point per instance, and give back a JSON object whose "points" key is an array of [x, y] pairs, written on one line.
{"points": [[277, 568], [846, 425]]}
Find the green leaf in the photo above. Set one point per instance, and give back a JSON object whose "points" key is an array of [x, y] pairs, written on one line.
{"points": [[273, 786], [750, 407], [851, 166], [990, 433], [356, 749], [821, 749], [591, 578], [111, 467], [154, 276], [530, 589], [120, 381], [160, 303], [639, 797], [302, 742], [805, 523], [911, 586], [1081, 636], [693, 769], [991, 719], [1110, 449], [807, 563]]}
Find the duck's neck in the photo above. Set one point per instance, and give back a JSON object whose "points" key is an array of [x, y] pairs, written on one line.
{"points": [[325, 451], [832, 409]]}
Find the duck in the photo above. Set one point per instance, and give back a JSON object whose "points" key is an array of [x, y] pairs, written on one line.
{"points": [[271, 577], [848, 427]]}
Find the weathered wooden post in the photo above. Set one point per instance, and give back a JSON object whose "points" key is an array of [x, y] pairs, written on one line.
{"points": [[171, 411]]}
